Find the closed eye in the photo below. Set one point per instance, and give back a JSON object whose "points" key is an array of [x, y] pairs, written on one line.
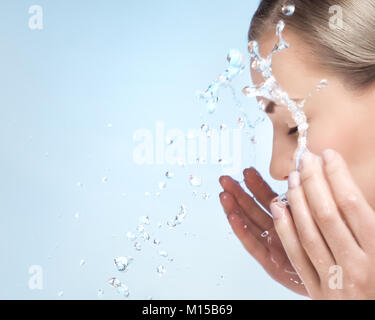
{"points": [[293, 131]]}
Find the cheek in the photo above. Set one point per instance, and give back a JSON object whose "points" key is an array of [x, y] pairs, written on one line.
{"points": [[330, 135]]}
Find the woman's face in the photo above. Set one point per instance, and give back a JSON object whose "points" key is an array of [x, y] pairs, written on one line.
{"points": [[339, 119]]}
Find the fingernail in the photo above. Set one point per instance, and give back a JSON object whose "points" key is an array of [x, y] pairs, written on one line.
{"points": [[275, 200], [328, 155], [294, 180], [277, 210]]}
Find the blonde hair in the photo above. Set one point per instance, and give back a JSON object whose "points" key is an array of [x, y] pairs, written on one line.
{"points": [[348, 52]]}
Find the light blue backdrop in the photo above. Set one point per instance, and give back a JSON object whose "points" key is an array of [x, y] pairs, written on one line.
{"points": [[72, 95]]}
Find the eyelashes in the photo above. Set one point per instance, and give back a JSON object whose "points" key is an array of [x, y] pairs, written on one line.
{"points": [[293, 131]]}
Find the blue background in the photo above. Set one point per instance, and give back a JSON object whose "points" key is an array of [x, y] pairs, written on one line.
{"points": [[128, 64]]}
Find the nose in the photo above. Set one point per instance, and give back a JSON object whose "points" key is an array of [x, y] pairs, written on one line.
{"points": [[281, 167], [280, 177]]}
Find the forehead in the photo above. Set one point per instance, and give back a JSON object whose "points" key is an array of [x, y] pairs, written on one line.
{"points": [[293, 68]]}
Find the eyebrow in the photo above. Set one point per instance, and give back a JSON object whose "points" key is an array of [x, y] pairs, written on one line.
{"points": [[270, 107]]}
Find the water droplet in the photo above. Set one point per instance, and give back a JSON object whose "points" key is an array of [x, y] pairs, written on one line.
{"points": [[82, 262], [292, 272], [171, 223], [169, 175], [147, 194], [100, 292], [60, 293], [162, 185], [181, 162], [122, 263], [205, 196], [223, 127], [169, 141], [205, 128], [114, 282], [156, 242], [79, 184], [137, 246], [123, 290], [262, 106], [323, 84], [195, 181], [144, 220], [163, 254], [109, 125], [201, 161], [288, 8], [146, 236], [181, 215], [284, 199], [235, 59], [160, 225], [241, 122], [161, 270], [265, 234], [76, 215], [211, 107], [131, 236], [105, 179]]}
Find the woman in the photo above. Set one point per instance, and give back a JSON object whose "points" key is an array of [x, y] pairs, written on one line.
{"points": [[322, 244]]}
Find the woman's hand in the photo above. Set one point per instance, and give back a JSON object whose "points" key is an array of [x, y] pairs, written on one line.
{"points": [[328, 229], [255, 228]]}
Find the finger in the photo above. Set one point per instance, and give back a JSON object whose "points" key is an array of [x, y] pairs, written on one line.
{"points": [[288, 235], [248, 236], [356, 211], [230, 206], [324, 210], [259, 188], [252, 210], [308, 232]]}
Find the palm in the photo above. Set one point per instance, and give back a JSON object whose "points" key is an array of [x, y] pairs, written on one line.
{"points": [[255, 228]]}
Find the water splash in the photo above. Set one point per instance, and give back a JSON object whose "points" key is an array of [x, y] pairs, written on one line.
{"points": [[161, 270], [131, 236], [169, 175], [122, 263], [270, 89], [121, 288], [100, 293], [163, 254], [236, 66], [144, 220]]}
